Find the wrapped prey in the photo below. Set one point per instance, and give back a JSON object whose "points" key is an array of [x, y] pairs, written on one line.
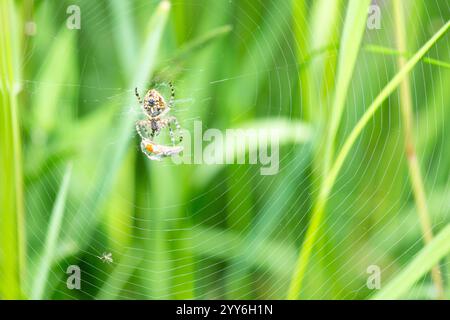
{"points": [[154, 151]]}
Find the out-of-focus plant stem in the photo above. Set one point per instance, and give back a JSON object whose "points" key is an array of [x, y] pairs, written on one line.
{"points": [[12, 229], [410, 148], [301, 37]]}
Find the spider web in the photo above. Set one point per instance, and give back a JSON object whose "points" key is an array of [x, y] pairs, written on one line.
{"points": [[169, 231]]}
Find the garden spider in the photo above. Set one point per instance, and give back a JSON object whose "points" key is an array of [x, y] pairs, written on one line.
{"points": [[156, 110]]}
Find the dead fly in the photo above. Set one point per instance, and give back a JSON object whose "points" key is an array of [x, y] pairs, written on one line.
{"points": [[157, 152]]}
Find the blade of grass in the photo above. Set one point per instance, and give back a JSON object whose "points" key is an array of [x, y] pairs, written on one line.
{"points": [[200, 42], [433, 117], [410, 147], [53, 231], [277, 206], [424, 261], [119, 211], [125, 40], [167, 264], [331, 48], [51, 110], [328, 183], [151, 222], [326, 21], [301, 34], [389, 51], [48, 106], [354, 26], [12, 224], [389, 239], [326, 24], [181, 19], [173, 66], [261, 53]]}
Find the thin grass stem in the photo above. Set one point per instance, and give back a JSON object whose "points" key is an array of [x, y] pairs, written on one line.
{"points": [[410, 148]]}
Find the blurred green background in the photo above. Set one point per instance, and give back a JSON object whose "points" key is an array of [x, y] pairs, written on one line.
{"points": [[75, 183]]}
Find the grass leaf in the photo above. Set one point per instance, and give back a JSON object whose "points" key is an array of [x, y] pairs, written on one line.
{"points": [[50, 247], [428, 257], [355, 24], [12, 224]]}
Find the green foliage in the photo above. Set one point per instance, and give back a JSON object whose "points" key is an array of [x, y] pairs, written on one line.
{"points": [[51, 242], [311, 71]]}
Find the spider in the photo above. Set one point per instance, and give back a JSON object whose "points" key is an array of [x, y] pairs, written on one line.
{"points": [[156, 109], [106, 257]]}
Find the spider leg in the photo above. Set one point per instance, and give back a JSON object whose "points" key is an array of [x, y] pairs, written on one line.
{"points": [[137, 95], [143, 128], [174, 121], [163, 123], [152, 135], [171, 134], [172, 95]]}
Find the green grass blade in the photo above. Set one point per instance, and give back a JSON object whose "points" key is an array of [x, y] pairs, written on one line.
{"points": [[50, 247], [200, 42], [173, 66], [150, 215], [49, 107], [125, 40], [428, 257], [355, 24], [300, 23], [393, 52], [12, 224], [326, 21], [406, 107], [259, 56], [436, 113]]}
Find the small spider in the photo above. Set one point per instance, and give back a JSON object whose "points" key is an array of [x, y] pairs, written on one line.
{"points": [[106, 257], [156, 109]]}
